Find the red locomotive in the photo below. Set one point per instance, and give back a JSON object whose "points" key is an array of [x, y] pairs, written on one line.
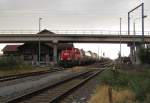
{"points": [[74, 56]]}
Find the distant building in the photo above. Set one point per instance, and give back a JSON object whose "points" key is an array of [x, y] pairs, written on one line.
{"points": [[29, 51]]}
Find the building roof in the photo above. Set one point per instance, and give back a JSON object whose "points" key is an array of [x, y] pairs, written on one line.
{"points": [[45, 31], [11, 48]]}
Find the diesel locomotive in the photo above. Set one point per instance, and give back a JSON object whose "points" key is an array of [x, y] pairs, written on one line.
{"points": [[74, 56]]}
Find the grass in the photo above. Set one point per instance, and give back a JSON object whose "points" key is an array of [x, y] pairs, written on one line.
{"points": [[79, 69], [14, 71], [101, 95], [11, 65], [27, 68], [136, 82]]}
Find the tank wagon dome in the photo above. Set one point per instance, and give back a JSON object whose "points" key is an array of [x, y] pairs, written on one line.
{"points": [[87, 53], [82, 51], [94, 55]]}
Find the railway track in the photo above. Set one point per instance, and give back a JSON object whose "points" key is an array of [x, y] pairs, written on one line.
{"points": [[18, 76], [56, 92]]}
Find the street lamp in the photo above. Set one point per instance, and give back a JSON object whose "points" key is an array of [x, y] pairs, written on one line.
{"points": [[39, 40], [40, 24]]}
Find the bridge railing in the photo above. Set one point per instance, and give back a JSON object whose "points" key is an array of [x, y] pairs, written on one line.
{"points": [[18, 31], [90, 32], [87, 32]]}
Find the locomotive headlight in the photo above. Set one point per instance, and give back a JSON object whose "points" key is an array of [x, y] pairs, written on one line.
{"points": [[69, 58]]}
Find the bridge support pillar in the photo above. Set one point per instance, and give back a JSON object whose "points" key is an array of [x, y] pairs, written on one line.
{"points": [[55, 42], [134, 53], [137, 59]]}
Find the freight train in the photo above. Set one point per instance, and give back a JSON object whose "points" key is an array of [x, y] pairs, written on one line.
{"points": [[74, 56]]}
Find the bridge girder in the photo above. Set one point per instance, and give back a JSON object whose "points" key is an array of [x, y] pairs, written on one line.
{"points": [[72, 38]]}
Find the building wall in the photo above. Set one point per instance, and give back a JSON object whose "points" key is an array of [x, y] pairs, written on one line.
{"points": [[30, 51]]}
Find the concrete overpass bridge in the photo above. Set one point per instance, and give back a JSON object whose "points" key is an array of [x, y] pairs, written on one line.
{"points": [[77, 37], [73, 38]]}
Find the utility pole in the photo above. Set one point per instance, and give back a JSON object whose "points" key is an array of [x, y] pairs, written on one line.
{"points": [[98, 53], [39, 41], [120, 38], [128, 23], [134, 57], [143, 23]]}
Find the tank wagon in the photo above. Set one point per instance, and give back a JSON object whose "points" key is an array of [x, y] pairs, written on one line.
{"points": [[74, 56]]}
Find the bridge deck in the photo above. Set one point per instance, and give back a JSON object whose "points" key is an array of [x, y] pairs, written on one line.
{"points": [[75, 38]]}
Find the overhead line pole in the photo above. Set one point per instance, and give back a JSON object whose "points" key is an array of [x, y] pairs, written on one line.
{"points": [[134, 32], [143, 22], [120, 38], [39, 41], [143, 16], [129, 17], [128, 23]]}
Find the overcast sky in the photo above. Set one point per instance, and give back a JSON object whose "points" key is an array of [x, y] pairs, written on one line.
{"points": [[71, 14]]}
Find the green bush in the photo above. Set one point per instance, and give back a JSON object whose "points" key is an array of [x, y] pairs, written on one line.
{"points": [[144, 55], [138, 83], [10, 61], [116, 79], [141, 88]]}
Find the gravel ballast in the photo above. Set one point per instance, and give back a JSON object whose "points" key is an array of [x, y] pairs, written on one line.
{"points": [[15, 90], [84, 93]]}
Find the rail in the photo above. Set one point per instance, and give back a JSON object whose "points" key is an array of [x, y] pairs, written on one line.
{"points": [[59, 89], [37, 91], [19, 76], [73, 81]]}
